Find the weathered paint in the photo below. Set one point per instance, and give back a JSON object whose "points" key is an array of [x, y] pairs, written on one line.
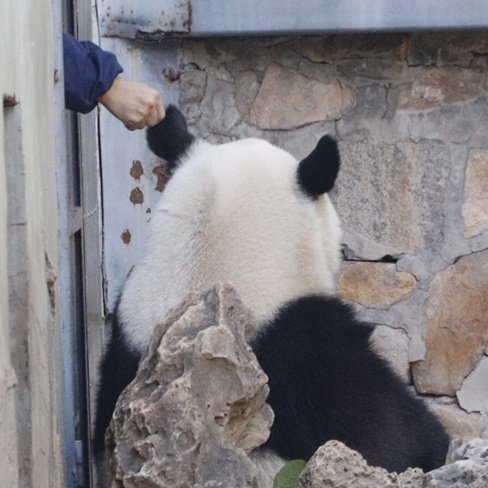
{"points": [[30, 355], [163, 175], [9, 101], [126, 236], [155, 20], [144, 20], [8, 377], [119, 149], [136, 196], [137, 170]]}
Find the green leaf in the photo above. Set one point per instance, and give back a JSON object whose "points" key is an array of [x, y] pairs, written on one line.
{"points": [[287, 476]]}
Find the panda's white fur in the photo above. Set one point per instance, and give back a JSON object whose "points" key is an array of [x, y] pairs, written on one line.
{"points": [[233, 214]]}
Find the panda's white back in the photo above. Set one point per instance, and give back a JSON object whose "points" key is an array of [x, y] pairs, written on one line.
{"points": [[232, 213]]}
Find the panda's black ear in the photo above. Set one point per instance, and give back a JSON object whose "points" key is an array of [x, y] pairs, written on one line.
{"points": [[318, 171], [170, 138]]}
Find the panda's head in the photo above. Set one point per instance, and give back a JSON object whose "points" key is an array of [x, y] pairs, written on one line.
{"points": [[245, 213]]}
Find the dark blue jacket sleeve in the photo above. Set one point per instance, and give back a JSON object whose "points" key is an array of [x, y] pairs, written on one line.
{"points": [[89, 72]]}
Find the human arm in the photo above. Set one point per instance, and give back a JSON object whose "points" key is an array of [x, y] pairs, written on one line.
{"points": [[89, 72], [92, 76]]}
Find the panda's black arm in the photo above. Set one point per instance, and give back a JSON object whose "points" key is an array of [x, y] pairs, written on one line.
{"points": [[117, 369]]}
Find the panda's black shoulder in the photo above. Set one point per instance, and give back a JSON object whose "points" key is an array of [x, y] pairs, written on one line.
{"points": [[327, 382], [311, 317]]}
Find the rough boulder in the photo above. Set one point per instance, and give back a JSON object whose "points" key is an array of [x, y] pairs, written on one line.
{"points": [[197, 405]]}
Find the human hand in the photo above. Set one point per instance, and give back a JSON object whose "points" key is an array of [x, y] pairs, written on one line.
{"points": [[133, 103]]}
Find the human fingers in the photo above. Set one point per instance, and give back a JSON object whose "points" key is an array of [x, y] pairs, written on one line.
{"points": [[141, 123], [156, 112], [136, 120], [153, 117], [161, 112]]}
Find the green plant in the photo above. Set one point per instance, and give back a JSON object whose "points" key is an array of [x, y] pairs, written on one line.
{"points": [[287, 476]]}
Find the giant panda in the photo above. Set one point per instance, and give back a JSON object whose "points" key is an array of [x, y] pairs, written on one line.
{"points": [[249, 214]]}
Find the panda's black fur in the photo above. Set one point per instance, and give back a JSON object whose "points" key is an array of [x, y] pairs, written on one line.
{"points": [[117, 369], [326, 382]]}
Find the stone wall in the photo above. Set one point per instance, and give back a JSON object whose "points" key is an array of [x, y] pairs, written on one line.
{"points": [[411, 114]]}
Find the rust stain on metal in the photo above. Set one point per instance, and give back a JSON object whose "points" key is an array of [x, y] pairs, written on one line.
{"points": [[51, 278], [163, 174], [136, 196], [9, 101], [137, 170], [126, 236], [156, 35], [178, 24], [147, 24], [172, 74], [188, 22]]}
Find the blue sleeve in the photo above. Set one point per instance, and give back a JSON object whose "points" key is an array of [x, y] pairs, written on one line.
{"points": [[89, 72]]}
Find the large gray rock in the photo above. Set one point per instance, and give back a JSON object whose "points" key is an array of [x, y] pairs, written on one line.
{"points": [[288, 100], [457, 422], [475, 206], [197, 405], [457, 326], [334, 465], [324, 49], [435, 87], [473, 395], [392, 344], [376, 285], [389, 198], [467, 466], [219, 99], [446, 48]]}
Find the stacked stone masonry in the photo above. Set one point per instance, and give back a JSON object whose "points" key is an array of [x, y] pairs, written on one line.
{"points": [[410, 112]]}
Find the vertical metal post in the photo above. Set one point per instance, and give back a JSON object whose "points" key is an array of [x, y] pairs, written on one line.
{"points": [[92, 235], [80, 255], [64, 155]]}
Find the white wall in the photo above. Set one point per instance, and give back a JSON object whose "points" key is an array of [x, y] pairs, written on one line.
{"points": [[30, 371]]}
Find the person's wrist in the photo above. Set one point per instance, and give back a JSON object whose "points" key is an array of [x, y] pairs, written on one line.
{"points": [[106, 98]]}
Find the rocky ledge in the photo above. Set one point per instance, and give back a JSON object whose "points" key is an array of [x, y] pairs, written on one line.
{"points": [[334, 465]]}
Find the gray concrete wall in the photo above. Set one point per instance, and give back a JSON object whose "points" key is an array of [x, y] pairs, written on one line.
{"points": [[30, 371], [411, 114]]}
